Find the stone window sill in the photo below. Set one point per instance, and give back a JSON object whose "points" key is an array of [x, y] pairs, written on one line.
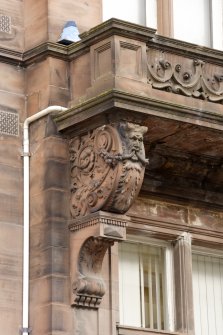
{"points": [[125, 330]]}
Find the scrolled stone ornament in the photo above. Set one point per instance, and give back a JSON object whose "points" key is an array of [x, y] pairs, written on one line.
{"points": [[107, 168], [186, 77], [160, 73], [89, 287], [212, 84]]}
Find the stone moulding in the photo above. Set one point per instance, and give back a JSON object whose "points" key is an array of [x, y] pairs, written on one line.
{"points": [[107, 168], [107, 224], [189, 77]]}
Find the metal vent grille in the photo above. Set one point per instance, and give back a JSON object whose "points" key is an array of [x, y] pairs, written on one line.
{"points": [[5, 23], [9, 123]]}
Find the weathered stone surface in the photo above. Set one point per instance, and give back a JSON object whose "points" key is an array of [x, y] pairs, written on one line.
{"points": [[48, 204], [15, 79], [10, 277], [40, 182], [58, 96], [14, 38], [53, 90], [48, 317], [59, 73], [49, 289], [48, 261], [49, 240], [87, 321], [10, 151], [36, 85], [162, 211], [80, 68], [206, 219], [36, 22], [10, 199], [52, 232]]}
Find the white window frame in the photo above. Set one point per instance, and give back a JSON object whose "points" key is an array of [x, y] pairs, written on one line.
{"points": [[168, 280]]}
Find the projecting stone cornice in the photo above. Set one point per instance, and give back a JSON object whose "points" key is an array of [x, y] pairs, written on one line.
{"points": [[131, 106], [67, 53], [104, 30]]}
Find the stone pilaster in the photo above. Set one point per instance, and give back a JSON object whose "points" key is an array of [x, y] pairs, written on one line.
{"points": [[183, 284], [91, 239]]}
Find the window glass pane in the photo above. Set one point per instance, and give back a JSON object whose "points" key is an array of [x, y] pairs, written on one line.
{"points": [[151, 13], [217, 24], [192, 21], [129, 279], [142, 286], [132, 11], [208, 294]]}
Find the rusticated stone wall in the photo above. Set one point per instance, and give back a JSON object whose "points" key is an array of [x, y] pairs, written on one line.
{"points": [[49, 239], [12, 104]]}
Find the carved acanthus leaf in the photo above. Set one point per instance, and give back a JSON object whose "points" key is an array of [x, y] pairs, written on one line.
{"points": [[107, 168]]}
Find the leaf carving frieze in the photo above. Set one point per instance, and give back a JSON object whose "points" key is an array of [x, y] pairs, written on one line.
{"points": [[107, 168], [189, 77]]}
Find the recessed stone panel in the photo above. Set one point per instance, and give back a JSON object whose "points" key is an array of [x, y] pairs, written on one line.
{"points": [[130, 60], [102, 60]]}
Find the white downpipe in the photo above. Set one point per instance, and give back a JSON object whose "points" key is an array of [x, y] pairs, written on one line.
{"points": [[26, 154]]}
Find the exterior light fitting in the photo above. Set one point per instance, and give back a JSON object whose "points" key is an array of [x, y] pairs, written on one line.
{"points": [[70, 33]]}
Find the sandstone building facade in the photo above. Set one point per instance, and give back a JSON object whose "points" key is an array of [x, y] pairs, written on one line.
{"points": [[111, 175]]}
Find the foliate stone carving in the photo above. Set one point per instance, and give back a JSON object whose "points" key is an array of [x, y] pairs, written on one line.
{"points": [[89, 287], [107, 168], [190, 77]]}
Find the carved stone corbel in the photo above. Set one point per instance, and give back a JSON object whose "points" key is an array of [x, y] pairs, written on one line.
{"points": [[89, 287], [98, 231], [107, 168]]}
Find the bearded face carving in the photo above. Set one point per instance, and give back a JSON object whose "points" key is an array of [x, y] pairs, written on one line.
{"points": [[132, 139], [107, 168]]}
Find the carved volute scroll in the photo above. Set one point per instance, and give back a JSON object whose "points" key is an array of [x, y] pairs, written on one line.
{"points": [[107, 168], [89, 287]]}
